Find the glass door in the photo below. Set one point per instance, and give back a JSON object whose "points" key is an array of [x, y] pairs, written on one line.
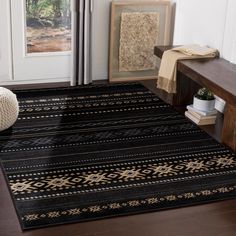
{"points": [[41, 36]]}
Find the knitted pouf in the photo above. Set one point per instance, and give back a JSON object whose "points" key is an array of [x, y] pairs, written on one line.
{"points": [[9, 108]]}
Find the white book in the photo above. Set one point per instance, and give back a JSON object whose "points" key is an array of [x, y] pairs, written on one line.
{"points": [[201, 117], [203, 113], [207, 121]]}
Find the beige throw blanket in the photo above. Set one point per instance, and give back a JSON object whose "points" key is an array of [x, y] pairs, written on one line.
{"points": [[168, 68]]}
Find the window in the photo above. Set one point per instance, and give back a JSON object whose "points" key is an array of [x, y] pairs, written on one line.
{"points": [[48, 25]]}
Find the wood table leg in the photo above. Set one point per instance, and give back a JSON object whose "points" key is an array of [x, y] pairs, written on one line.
{"points": [[186, 89], [229, 127]]}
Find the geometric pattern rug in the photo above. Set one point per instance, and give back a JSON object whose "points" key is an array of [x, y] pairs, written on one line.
{"points": [[90, 152]]}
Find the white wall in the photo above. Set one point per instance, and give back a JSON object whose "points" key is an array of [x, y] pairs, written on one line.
{"points": [[196, 21], [201, 22], [5, 49], [207, 22], [229, 45], [100, 40]]}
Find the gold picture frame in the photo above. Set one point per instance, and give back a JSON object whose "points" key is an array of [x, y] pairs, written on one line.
{"points": [[119, 9]]}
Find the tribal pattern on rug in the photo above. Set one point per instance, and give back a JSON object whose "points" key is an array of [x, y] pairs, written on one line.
{"points": [[91, 152]]}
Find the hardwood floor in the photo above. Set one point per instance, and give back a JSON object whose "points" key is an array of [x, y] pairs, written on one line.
{"points": [[35, 86], [215, 219]]}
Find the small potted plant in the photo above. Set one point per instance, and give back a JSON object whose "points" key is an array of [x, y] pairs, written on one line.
{"points": [[204, 100]]}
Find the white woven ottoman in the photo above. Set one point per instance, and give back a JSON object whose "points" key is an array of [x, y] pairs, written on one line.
{"points": [[9, 108]]}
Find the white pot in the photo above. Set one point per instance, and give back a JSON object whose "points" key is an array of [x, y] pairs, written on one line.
{"points": [[203, 105]]}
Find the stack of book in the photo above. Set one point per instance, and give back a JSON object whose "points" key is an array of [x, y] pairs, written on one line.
{"points": [[201, 117]]}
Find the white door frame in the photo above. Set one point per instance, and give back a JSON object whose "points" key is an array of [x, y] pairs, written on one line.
{"points": [[5, 42]]}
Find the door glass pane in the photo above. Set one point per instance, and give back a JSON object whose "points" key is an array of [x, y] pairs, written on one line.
{"points": [[48, 25]]}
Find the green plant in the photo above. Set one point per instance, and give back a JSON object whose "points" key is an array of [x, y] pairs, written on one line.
{"points": [[204, 94]]}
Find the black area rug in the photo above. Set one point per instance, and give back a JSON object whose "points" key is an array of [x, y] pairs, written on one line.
{"points": [[86, 153]]}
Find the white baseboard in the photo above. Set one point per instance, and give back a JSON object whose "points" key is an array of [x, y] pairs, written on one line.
{"points": [[40, 81]]}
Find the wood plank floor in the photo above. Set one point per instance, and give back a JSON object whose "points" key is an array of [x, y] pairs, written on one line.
{"points": [[215, 219]]}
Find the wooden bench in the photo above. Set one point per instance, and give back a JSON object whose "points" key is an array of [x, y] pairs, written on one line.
{"points": [[219, 76]]}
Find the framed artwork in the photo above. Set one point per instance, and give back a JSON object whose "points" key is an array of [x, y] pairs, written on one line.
{"points": [[136, 27]]}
